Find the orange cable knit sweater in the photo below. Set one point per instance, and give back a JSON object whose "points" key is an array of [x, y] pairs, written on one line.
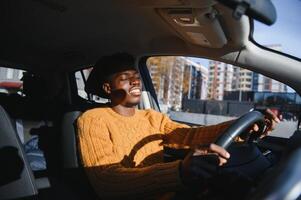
{"points": [[123, 156]]}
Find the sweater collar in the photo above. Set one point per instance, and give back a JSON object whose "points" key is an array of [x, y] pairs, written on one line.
{"points": [[117, 115]]}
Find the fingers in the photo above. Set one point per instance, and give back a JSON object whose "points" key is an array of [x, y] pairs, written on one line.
{"points": [[200, 151], [271, 124], [212, 148], [219, 150], [271, 120], [272, 115], [255, 128], [223, 155], [221, 160]]}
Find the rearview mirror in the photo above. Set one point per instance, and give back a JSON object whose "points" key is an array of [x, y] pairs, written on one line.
{"points": [[261, 10]]}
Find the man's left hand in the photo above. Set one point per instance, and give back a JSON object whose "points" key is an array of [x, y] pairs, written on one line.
{"points": [[271, 120]]}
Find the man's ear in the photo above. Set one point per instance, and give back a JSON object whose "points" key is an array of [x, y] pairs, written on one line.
{"points": [[107, 88]]}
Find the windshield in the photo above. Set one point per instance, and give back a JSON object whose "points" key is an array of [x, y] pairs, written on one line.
{"points": [[284, 34]]}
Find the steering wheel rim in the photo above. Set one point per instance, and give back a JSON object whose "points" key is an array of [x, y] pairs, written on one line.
{"points": [[239, 127]]}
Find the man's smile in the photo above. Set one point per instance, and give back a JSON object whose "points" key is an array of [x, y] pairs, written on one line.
{"points": [[136, 91]]}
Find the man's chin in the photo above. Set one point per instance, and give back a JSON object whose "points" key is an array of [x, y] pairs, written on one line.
{"points": [[133, 103]]}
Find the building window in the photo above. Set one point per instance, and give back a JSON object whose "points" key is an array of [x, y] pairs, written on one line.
{"points": [[9, 73], [10, 81]]}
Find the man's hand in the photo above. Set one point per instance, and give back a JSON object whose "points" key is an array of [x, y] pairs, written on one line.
{"points": [[202, 162], [271, 120]]}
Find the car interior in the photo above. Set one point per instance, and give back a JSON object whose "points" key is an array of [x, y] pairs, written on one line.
{"points": [[51, 43]]}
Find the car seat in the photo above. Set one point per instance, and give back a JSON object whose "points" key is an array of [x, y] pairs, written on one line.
{"points": [[17, 180], [73, 173]]}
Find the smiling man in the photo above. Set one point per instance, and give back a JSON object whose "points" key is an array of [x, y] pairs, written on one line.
{"points": [[121, 147]]}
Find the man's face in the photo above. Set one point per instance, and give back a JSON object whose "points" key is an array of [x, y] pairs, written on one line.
{"points": [[125, 88]]}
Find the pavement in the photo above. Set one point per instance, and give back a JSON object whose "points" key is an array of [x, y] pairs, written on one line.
{"points": [[284, 129]]}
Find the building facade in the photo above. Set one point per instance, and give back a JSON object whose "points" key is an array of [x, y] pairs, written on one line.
{"points": [[245, 80], [175, 78], [9, 74], [10, 80], [221, 78], [194, 80], [262, 83]]}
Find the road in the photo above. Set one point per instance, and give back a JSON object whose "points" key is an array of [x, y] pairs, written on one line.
{"points": [[284, 129]]}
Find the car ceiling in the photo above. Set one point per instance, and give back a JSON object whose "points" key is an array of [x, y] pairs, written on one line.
{"points": [[66, 34]]}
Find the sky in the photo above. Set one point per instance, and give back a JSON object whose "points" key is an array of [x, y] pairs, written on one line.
{"points": [[286, 31]]}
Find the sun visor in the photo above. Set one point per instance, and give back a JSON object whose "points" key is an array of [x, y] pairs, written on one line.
{"points": [[199, 26]]}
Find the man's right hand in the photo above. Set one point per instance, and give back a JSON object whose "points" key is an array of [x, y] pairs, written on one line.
{"points": [[201, 163]]}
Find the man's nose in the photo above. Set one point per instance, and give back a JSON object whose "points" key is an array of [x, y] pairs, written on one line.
{"points": [[135, 81]]}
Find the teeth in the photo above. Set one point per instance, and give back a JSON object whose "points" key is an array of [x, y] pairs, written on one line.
{"points": [[135, 91]]}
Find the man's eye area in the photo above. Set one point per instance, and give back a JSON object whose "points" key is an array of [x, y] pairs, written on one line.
{"points": [[126, 78]]}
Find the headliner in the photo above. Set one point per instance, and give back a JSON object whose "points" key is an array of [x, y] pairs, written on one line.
{"points": [[66, 33]]}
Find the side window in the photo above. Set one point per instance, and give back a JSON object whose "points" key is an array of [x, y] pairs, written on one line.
{"points": [[202, 91], [81, 77], [10, 81]]}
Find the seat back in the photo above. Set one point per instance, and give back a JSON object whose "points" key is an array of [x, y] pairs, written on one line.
{"points": [[17, 179], [73, 173], [69, 133], [69, 145]]}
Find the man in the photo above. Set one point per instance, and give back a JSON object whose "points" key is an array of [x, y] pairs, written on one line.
{"points": [[121, 147]]}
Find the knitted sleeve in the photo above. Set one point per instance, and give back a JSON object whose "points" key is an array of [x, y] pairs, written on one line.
{"points": [[109, 178], [183, 136]]}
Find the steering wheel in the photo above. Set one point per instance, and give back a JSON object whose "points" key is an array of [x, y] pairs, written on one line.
{"points": [[240, 126], [283, 181]]}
